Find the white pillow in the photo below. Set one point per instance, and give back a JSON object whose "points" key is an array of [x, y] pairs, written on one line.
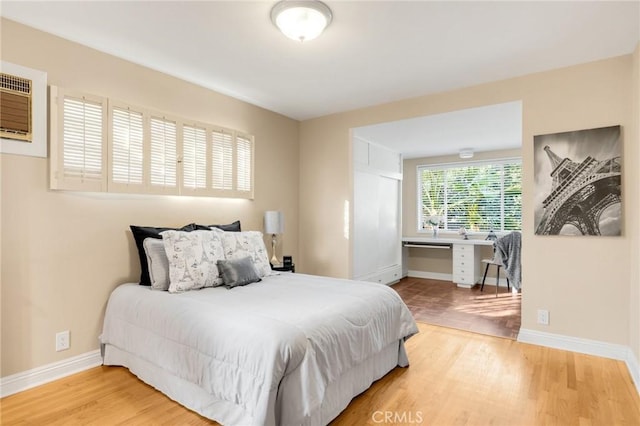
{"points": [[193, 258], [158, 263], [247, 243]]}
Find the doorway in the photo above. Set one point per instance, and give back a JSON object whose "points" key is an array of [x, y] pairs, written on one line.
{"points": [[491, 134]]}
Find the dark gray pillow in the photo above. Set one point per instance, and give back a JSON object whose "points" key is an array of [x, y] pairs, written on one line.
{"points": [[231, 227], [237, 272]]}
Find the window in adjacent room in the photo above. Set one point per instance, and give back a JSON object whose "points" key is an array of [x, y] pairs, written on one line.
{"points": [[478, 196]]}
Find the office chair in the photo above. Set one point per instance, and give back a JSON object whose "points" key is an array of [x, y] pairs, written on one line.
{"points": [[506, 254], [498, 263]]}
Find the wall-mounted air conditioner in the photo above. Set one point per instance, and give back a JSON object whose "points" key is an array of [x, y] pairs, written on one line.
{"points": [[15, 107]]}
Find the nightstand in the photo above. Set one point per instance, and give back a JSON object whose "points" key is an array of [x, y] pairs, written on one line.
{"points": [[291, 268]]}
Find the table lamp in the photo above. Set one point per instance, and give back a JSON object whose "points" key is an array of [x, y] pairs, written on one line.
{"points": [[274, 225]]}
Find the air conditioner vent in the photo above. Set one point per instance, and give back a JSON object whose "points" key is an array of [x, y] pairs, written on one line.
{"points": [[15, 107], [15, 84]]}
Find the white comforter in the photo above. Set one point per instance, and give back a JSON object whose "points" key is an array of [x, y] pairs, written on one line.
{"points": [[239, 344]]}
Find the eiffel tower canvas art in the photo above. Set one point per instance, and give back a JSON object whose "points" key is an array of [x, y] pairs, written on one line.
{"points": [[577, 182]]}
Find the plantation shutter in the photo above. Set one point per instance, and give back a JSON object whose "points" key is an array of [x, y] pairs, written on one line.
{"points": [[78, 141], [194, 158], [221, 160], [109, 146], [163, 159], [244, 165], [127, 133]]}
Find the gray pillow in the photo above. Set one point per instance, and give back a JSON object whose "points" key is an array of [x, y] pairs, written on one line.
{"points": [[238, 272], [158, 263]]}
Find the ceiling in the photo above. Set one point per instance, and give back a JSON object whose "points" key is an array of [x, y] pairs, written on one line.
{"points": [[372, 53], [487, 128]]}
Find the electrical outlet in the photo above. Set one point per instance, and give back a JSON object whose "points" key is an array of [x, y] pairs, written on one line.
{"points": [[62, 341], [543, 317]]}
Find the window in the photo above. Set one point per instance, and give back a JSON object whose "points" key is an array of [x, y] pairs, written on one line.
{"points": [[194, 157], [126, 165], [163, 158], [478, 196], [143, 151], [77, 160], [217, 162], [222, 160], [244, 152]]}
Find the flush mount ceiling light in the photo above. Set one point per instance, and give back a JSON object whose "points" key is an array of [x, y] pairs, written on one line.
{"points": [[301, 20], [466, 153]]}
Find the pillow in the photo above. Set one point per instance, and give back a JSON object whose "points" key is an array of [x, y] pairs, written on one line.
{"points": [[247, 244], [231, 227], [238, 272], [192, 259], [158, 263], [140, 233]]}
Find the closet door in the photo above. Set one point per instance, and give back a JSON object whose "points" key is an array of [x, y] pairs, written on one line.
{"points": [[389, 253], [376, 225], [365, 220]]}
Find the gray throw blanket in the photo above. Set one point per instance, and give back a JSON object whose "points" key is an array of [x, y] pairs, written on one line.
{"points": [[508, 252]]}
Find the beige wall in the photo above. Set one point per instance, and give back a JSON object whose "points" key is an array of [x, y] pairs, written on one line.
{"points": [[437, 261], [583, 282], [634, 229], [63, 252]]}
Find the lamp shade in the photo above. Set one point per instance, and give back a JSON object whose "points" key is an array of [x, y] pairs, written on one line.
{"points": [[273, 222]]}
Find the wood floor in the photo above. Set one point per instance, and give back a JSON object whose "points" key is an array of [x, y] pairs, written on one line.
{"points": [[455, 378], [443, 303]]}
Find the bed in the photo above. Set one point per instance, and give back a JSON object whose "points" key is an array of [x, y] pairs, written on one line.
{"points": [[292, 349]]}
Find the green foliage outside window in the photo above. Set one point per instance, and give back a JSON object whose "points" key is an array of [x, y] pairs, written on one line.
{"points": [[478, 197]]}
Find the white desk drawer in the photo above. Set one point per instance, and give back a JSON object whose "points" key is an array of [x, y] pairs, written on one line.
{"points": [[463, 262], [463, 271], [463, 248], [462, 257], [463, 279], [462, 252]]}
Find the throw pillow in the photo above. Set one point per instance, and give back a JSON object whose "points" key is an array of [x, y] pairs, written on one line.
{"points": [[193, 259], [158, 263], [247, 244], [140, 233], [238, 272], [231, 227]]}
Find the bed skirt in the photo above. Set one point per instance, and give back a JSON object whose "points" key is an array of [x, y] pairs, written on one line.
{"points": [[337, 396]]}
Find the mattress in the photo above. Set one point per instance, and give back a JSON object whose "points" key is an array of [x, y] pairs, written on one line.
{"points": [[292, 349]]}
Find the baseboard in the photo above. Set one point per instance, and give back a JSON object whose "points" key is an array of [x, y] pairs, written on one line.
{"points": [[634, 368], [38, 376], [430, 275], [449, 277], [584, 346]]}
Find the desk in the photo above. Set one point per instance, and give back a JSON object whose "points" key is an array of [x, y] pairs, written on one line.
{"points": [[466, 255]]}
